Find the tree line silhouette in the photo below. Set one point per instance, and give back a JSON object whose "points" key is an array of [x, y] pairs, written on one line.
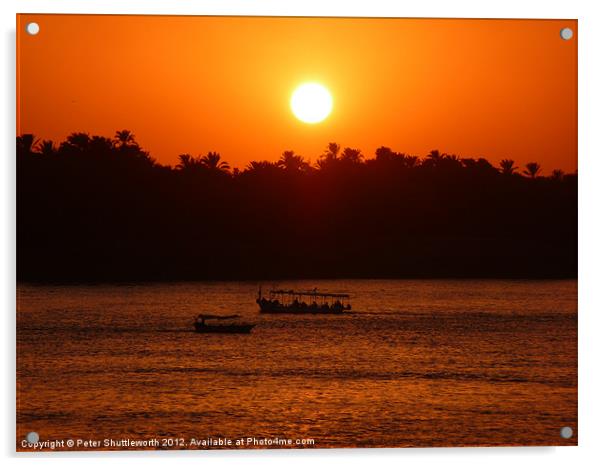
{"points": [[94, 208]]}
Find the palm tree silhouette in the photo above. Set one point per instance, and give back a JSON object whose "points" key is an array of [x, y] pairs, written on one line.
{"points": [[350, 155], [385, 154], [26, 144], [124, 138], [46, 148], [411, 161], [332, 151], [187, 162], [532, 169], [212, 161], [450, 161], [260, 165], [292, 162], [557, 175], [80, 141], [507, 167], [390, 209], [433, 159], [330, 155]]}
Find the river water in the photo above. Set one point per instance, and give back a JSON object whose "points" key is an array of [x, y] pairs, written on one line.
{"points": [[416, 363]]}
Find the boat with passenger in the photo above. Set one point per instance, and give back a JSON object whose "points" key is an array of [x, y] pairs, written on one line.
{"points": [[303, 302], [215, 326]]}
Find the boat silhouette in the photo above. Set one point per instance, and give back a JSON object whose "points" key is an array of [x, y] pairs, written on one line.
{"points": [[294, 302], [201, 325]]}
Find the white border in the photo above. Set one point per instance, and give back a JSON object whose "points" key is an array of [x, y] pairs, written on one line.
{"points": [[590, 232]]}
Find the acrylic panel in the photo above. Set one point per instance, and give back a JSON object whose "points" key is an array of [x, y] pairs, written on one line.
{"points": [[295, 232]]}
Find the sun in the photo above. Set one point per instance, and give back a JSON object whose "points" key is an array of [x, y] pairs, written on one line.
{"points": [[311, 103]]}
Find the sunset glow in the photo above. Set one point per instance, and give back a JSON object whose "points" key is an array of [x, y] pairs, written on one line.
{"points": [[493, 88], [311, 103]]}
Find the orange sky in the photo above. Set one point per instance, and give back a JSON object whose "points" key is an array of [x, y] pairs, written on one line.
{"points": [[493, 88]]}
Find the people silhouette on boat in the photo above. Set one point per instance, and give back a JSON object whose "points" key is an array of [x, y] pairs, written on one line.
{"points": [[293, 302]]}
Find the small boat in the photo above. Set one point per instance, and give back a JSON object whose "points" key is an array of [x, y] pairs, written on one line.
{"points": [[201, 326], [294, 302]]}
